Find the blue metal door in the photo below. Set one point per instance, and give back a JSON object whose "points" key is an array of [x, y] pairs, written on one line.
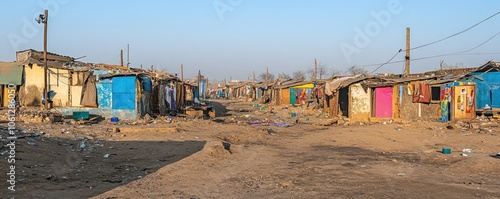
{"points": [[124, 93]]}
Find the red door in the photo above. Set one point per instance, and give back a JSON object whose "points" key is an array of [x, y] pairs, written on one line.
{"points": [[383, 102]]}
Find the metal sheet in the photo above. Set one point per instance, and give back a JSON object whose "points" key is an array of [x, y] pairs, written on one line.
{"points": [[124, 93], [104, 92], [11, 73], [383, 102], [293, 96]]}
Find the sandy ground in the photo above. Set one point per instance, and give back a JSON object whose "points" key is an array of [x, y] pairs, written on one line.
{"points": [[226, 157]]}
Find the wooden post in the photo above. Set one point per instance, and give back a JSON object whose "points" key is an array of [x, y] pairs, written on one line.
{"points": [[141, 66], [267, 74], [407, 57], [315, 73], [199, 81], [441, 63], [128, 56], [182, 87], [45, 68], [121, 57]]}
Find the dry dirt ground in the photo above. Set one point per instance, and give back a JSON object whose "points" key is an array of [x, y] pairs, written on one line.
{"points": [[226, 157]]}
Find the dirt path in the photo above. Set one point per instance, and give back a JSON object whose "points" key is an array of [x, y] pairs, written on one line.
{"points": [[228, 158]]}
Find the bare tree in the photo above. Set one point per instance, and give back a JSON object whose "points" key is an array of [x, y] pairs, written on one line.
{"points": [[454, 66], [355, 70], [284, 76], [335, 72], [322, 71], [299, 75], [262, 77]]}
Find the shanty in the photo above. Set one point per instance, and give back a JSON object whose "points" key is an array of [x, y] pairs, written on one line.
{"points": [[250, 99]]}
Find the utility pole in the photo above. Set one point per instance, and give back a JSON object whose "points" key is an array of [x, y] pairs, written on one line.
{"points": [[128, 54], [44, 18], [141, 66], [407, 57], [267, 74], [315, 73], [253, 76], [441, 63], [121, 57], [46, 14]]}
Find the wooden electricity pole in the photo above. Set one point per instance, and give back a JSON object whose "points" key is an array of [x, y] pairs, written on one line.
{"points": [[267, 74], [45, 68], [253, 76], [441, 63], [121, 57], [315, 73], [407, 57], [128, 56]]}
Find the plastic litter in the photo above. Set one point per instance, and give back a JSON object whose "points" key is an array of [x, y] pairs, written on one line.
{"points": [[82, 144], [467, 150]]}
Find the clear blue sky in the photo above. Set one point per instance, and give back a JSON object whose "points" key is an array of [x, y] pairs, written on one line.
{"points": [[233, 38]]}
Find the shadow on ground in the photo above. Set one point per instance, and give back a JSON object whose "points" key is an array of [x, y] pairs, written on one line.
{"points": [[81, 168]]}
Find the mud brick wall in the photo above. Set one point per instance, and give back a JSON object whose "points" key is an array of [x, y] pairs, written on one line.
{"points": [[409, 110]]}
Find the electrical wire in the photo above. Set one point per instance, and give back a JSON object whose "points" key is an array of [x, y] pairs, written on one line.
{"points": [[434, 56], [428, 44], [387, 61], [458, 53]]}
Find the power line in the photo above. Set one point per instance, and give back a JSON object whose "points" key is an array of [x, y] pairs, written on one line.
{"points": [[461, 52], [388, 61], [421, 46], [434, 56]]}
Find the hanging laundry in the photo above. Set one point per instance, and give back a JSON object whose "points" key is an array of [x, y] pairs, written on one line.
{"points": [[168, 96], [173, 106], [422, 93], [189, 94], [410, 89]]}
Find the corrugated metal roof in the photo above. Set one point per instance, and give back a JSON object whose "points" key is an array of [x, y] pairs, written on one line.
{"points": [[489, 66], [11, 73]]}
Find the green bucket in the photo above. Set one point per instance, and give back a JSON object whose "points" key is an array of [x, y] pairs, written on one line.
{"points": [[446, 150]]}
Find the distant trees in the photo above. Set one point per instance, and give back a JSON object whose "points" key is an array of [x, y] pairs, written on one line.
{"points": [[355, 70], [453, 66], [299, 75], [335, 72], [322, 71], [262, 77], [284, 76]]}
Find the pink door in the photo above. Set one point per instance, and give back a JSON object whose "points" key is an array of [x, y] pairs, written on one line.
{"points": [[383, 102]]}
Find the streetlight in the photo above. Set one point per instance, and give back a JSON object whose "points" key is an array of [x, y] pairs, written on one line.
{"points": [[43, 18]]}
